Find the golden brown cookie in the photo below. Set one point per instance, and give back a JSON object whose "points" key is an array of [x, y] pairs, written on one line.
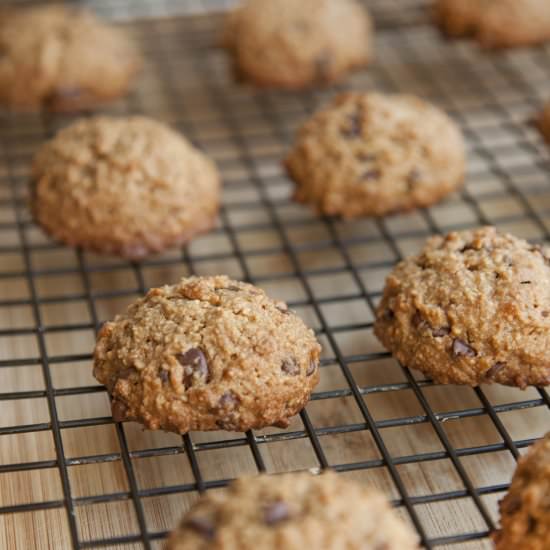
{"points": [[207, 353], [290, 44], [525, 510], [369, 154], [473, 307], [62, 58], [127, 186], [496, 23], [293, 512]]}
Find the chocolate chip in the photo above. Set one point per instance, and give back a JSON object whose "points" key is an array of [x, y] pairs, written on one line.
{"points": [[124, 374], [461, 348], [532, 524], [525, 282], [194, 365], [118, 410], [388, 315], [228, 400], [418, 322], [545, 313], [290, 366], [440, 332], [276, 512], [201, 525], [354, 127], [371, 175], [164, 376], [311, 368], [466, 248], [494, 370]]}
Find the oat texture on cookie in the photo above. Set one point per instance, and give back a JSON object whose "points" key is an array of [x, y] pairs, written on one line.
{"points": [[496, 23], [126, 186], [473, 307], [290, 44], [369, 154], [207, 353], [525, 510], [293, 512], [62, 58]]}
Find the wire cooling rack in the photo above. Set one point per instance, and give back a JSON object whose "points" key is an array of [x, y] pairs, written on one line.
{"points": [[71, 478]]}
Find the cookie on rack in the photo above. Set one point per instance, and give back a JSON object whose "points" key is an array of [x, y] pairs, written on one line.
{"points": [[62, 58], [290, 44], [543, 122], [496, 23], [292, 512], [524, 511], [207, 353], [126, 186], [473, 307], [369, 154]]}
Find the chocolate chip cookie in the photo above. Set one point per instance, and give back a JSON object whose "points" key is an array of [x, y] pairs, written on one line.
{"points": [[126, 186], [62, 58], [496, 23], [473, 307], [292, 512], [368, 154], [290, 44], [207, 353], [525, 510]]}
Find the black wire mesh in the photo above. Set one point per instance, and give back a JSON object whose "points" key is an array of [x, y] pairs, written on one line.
{"points": [[444, 455]]}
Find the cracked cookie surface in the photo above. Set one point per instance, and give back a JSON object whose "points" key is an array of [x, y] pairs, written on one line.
{"points": [[293, 512], [525, 510], [369, 154], [207, 353], [125, 186], [290, 44], [473, 307], [62, 59], [496, 23]]}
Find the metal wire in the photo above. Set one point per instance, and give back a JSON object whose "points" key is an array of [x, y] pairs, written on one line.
{"points": [[247, 132]]}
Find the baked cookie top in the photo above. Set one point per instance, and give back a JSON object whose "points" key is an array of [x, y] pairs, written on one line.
{"points": [[290, 44], [374, 154], [496, 23], [292, 512], [473, 307], [207, 353], [129, 186], [525, 513], [62, 58]]}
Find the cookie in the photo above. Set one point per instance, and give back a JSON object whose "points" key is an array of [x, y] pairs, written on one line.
{"points": [[126, 186], [473, 307], [207, 353], [496, 23], [62, 59], [543, 122], [368, 154], [525, 510], [292, 512], [293, 45]]}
